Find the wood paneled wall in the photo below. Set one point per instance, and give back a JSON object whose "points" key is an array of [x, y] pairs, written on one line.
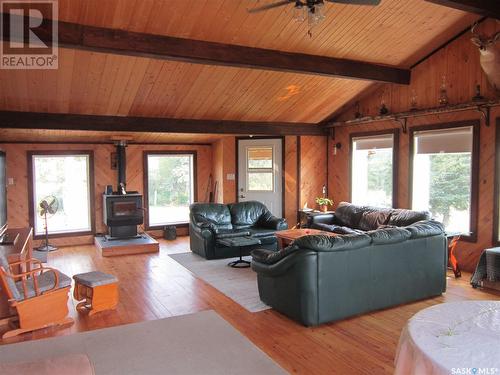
{"points": [[218, 169], [17, 168], [459, 62], [291, 180], [313, 169]]}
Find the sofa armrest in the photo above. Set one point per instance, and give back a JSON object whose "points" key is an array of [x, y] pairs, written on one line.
{"points": [[204, 229], [282, 263], [328, 218], [273, 222]]}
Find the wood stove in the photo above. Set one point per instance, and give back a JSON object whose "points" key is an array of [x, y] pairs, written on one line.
{"points": [[122, 211], [122, 214]]}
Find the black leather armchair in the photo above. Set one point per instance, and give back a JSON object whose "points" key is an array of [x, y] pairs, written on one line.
{"points": [[210, 222]]}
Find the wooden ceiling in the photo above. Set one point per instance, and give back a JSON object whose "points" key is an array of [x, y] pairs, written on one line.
{"points": [[392, 33], [396, 33]]}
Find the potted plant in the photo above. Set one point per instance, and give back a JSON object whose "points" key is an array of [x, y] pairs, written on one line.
{"points": [[324, 203]]}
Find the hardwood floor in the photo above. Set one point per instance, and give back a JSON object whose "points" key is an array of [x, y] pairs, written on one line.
{"points": [[153, 286]]}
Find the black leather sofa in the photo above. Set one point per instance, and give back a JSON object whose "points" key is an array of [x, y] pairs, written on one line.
{"points": [[353, 219], [321, 278], [210, 222]]}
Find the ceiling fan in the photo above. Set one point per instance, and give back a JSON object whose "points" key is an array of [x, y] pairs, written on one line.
{"points": [[312, 10]]}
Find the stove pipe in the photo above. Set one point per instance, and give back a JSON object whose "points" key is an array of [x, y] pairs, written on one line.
{"points": [[122, 163]]}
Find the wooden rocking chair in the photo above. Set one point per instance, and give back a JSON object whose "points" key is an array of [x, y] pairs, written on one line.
{"points": [[39, 295]]}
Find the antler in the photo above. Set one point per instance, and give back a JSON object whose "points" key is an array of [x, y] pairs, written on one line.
{"points": [[473, 29]]}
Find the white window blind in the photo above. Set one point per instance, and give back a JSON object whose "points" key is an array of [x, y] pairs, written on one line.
{"points": [[373, 142], [443, 141]]}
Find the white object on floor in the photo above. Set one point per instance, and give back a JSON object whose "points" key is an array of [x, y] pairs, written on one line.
{"points": [[451, 338], [239, 284], [201, 343]]}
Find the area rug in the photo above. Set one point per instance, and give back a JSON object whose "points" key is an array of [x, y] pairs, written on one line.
{"points": [[201, 343], [239, 284]]}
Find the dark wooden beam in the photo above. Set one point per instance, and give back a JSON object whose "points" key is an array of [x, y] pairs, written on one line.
{"points": [[59, 121], [115, 41], [487, 8]]}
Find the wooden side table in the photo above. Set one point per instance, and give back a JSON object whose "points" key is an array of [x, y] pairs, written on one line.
{"points": [[285, 237]]}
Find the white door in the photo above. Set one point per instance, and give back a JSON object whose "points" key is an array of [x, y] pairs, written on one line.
{"points": [[259, 172]]}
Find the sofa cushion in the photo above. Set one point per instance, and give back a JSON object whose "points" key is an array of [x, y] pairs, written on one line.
{"points": [[336, 229], [389, 235], [328, 243], [45, 282], [230, 233], [246, 214], [349, 214], [261, 232], [402, 218], [372, 218], [216, 215], [425, 228]]}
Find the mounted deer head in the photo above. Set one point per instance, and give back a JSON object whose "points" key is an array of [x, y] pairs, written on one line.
{"points": [[490, 56]]}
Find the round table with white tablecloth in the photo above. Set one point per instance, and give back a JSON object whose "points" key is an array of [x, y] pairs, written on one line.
{"points": [[451, 338]]}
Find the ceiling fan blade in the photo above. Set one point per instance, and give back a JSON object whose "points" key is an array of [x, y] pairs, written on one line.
{"points": [[270, 6], [356, 2]]}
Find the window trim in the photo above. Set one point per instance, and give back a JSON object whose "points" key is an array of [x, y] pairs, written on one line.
{"points": [[31, 191], [496, 189], [473, 219], [145, 154], [395, 159]]}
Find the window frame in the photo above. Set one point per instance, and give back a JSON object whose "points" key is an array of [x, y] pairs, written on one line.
{"points": [[31, 191], [496, 189], [475, 124], [194, 154], [395, 159]]}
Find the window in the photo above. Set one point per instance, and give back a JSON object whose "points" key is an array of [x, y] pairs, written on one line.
{"points": [[64, 182], [170, 182], [372, 169], [260, 169], [445, 175]]}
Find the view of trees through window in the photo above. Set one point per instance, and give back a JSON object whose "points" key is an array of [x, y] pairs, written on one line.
{"points": [[371, 174], [442, 185], [65, 177], [170, 188]]}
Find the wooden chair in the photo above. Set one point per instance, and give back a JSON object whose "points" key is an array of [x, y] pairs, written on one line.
{"points": [[39, 296]]}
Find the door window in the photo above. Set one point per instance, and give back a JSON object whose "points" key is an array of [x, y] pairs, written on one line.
{"points": [[260, 171]]}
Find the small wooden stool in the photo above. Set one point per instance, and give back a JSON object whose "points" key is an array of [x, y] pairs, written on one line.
{"points": [[98, 289]]}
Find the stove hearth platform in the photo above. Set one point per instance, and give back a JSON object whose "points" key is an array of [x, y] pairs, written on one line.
{"points": [[127, 246]]}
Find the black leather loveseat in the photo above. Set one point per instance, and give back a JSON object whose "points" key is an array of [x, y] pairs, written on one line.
{"points": [[322, 278], [211, 222]]}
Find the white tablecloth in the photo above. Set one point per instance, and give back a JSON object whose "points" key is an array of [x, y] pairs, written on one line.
{"points": [[451, 338]]}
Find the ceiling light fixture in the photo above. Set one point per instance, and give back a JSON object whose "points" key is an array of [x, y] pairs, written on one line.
{"points": [[310, 10]]}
